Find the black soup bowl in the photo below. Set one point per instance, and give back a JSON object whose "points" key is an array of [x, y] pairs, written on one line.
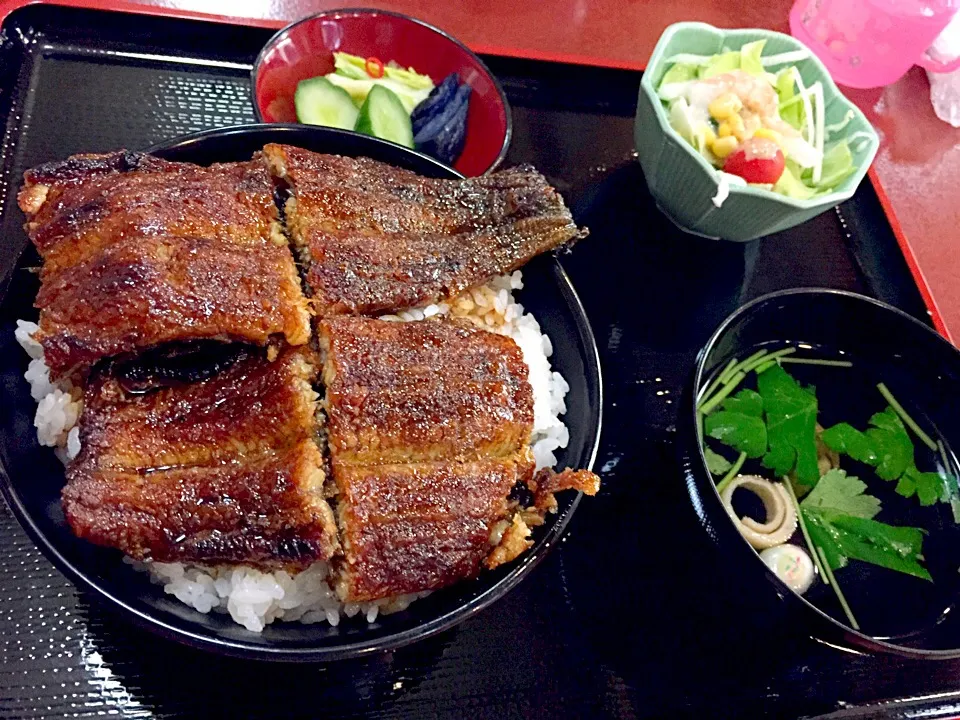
{"points": [[897, 613]]}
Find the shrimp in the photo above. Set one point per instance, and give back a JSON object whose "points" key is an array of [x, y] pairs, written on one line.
{"points": [[756, 94], [761, 104]]}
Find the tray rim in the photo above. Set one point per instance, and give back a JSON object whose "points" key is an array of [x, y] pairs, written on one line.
{"points": [[7, 7]]}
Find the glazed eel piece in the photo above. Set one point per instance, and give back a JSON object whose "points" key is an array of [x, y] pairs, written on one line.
{"points": [[226, 470], [428, 432], [138, 251], [375, 238]]}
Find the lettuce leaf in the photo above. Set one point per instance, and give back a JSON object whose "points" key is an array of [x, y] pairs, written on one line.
{"points": [[791, 185], [746, 58], [750, 57], [791, 107], [681, 72], [682, 120], [837, 165], [720, 64]]}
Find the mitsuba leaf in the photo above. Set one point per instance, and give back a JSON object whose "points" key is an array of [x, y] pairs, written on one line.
{"points": [[906, 486], [891, 443], [744, 433], [842, 493], [746, 402], [844, 537], [929, 485], [791, 415], [846, 439], [888, 447], [717, 464]]}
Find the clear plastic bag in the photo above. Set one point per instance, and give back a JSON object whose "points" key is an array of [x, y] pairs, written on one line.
{"points": [[945, 87]]}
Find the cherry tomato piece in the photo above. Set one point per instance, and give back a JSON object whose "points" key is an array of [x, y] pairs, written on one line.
{"points": [[757, 160], [374, 67]]}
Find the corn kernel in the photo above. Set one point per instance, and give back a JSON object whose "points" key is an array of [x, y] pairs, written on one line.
{"points": [[723, 106], [708, 136], [724, 130], [769, 135], [724, 146], [737, 127]]}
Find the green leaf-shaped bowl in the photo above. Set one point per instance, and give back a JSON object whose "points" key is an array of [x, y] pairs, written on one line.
{"points": [[684, 183]]}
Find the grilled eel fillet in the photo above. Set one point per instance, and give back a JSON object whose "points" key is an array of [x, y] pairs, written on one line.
{"points": [[428, 429], [222, 471], [139, 251], [375, 238]]}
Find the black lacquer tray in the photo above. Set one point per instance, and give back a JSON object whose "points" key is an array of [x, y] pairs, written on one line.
{"points": [[634, 615]]}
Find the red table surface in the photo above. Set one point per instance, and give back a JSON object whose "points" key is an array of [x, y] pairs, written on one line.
{"points": [[915, 172]]}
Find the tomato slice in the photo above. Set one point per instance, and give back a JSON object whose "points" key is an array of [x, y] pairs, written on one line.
{"points": [[757, 160], [374, 67]]}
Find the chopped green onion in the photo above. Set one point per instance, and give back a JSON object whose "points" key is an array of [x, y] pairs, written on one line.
{"points": [[731, 473], [814, 361], [722, 393], [909, 421], [838, 591]]}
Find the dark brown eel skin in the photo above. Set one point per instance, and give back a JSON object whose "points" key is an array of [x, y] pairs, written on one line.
{"points": [[222, 471], [376, 238], [139, 251]]}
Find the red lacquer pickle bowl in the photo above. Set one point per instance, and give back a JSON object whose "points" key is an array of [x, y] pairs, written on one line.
{"points": [[305, 48]]}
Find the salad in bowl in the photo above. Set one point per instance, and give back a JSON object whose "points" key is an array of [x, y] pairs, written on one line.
{"points": [[753, 118], [742, 133]]}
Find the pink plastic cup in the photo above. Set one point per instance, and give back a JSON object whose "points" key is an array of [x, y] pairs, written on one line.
{"points": [[872, 43]]}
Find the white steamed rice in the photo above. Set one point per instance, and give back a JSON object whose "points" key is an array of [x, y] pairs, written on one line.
{"points": [[254, 598], [59, 404]]}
